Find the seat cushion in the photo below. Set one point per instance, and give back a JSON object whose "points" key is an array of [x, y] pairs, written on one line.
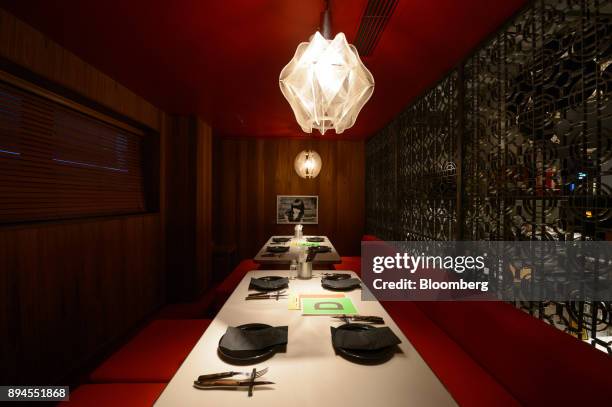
{"points": [[370, 238], [201, 308], [352, 263], [467, 382], [154, 354], [229, 284], [536, 362], [116, 395]]}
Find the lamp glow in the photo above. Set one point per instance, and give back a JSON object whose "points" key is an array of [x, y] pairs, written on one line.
{"points": [[308, 164], [326, 84]]}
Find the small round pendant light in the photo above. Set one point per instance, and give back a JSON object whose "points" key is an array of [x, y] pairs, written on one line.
{"points": [[308, 164]]}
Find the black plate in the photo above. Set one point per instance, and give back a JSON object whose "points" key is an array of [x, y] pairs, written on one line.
{"points": [[269, 278], [336, 276], [349, 288], [319, 249], [247, 357], [280, 239], [277, 249], [365, 356], [315, 239]]}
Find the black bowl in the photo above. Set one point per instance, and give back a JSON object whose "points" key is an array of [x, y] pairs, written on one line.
{"points": [[315, 239], [370, 357]]}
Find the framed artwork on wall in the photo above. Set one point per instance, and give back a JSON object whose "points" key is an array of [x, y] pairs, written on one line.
{"points": [[302, 209]]}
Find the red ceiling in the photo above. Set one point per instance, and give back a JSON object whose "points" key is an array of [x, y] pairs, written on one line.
{"points": [[221, 59]]}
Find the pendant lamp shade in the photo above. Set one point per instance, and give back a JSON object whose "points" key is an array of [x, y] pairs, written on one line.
{"points": [[326, 84]]}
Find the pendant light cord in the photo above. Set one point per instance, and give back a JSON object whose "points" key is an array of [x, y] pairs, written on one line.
{"points": [[326, 21]]}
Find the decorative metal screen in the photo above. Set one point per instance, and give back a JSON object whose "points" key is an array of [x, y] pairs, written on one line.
{"points": [[527, 121], [381, 214], [426, 140]]}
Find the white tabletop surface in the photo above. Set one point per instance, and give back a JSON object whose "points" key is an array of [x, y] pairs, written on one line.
{"points": [[331, 257], [309, 373]]}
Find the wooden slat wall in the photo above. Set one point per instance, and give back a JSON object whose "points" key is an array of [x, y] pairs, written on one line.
{"points": [[249, 173], [27, 47], [203, 273], [188, 207], [68, 289], [180, 204]]}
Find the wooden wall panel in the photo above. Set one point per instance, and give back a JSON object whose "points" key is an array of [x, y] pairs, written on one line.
{"points": [[203, 275], [350, 191], [248, 174], [29, 48], [69, 289], [188, 207], [180, 205]]}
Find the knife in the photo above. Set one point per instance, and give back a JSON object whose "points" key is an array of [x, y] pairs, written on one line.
{"points": [[362, 318], [225, 375], [205, 384]]}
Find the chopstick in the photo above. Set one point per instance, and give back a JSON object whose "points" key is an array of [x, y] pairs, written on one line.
{"points": [[265, 297], [252, 381]]}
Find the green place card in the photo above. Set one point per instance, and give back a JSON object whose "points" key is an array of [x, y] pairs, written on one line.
{"points": [[328, 306]]}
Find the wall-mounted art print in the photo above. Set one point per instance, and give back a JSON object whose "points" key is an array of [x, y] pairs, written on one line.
{"points": [[297, 209]]}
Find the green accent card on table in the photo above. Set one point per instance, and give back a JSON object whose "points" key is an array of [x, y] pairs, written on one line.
{"points": [[328, 306]]}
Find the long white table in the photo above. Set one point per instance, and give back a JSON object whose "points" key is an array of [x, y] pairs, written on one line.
{"points": [[309, 373], [262, 257]]}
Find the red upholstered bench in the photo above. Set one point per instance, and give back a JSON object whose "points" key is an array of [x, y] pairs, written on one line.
{"points": [[538, 364], [154, 354], [229, 284], [490, 353], [116, 395], [467, 382], [370, 238], [352, 263], [201, 308]]}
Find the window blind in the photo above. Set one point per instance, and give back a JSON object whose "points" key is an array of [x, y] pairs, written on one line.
{"points": [[59, 163]]}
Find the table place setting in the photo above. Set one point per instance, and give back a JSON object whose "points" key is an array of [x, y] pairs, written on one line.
{"points": [[364, 343], [268, 283], [312, 252], [281, 239], [248, 344], [225, 380], [316, 248], [277, 249], [340, 282], [268, 287]]}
